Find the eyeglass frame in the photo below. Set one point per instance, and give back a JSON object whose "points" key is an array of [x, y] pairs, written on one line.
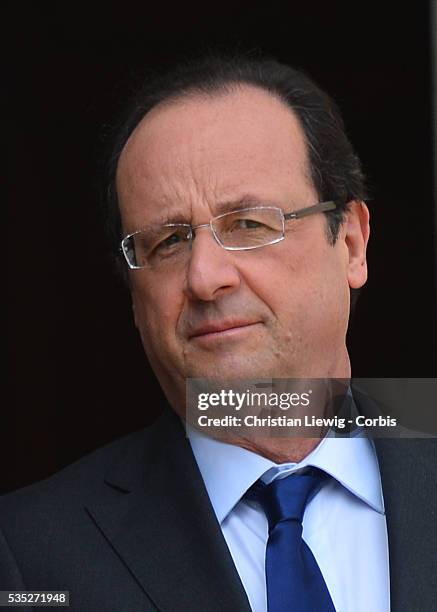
{"points": [[296, 214]]}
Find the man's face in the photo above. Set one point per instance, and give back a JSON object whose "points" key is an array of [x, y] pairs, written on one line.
{"points": [[278, 311]]}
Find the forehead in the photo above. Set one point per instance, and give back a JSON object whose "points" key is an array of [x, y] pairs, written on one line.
{"points": [[207, 150]]}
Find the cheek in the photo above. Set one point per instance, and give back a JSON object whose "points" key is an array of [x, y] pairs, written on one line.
{"points": [[157, 309], [303, 291], [326, 302]]}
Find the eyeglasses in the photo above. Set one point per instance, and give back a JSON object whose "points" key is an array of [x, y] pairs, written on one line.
{"points": [[239, 230]]}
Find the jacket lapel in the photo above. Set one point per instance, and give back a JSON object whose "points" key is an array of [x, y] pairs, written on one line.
{"points": [[409, 481], [157, 516], [408, 468]]}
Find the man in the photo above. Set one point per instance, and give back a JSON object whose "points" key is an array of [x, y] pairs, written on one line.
{"points": [[229, 279]]}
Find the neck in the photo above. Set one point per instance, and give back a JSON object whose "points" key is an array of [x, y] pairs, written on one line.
{"points": [[294, 448], [295, 445], [280, 450]]}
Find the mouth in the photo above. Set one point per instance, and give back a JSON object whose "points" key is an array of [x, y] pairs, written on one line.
{"points": [[229, 329]]}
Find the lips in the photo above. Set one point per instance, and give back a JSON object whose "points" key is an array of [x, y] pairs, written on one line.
{"points": [[220, 327]]}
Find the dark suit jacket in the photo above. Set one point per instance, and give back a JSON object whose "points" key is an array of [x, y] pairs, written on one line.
{"points": [[131, 527]]}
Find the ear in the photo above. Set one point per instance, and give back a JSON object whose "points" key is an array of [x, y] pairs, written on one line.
{"points": [[357, 230]]}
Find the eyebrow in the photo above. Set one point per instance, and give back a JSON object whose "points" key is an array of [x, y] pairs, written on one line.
{"points": [[246, 200]]}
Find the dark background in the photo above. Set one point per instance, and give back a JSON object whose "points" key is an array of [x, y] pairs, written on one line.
{"points": [[77, 377]]}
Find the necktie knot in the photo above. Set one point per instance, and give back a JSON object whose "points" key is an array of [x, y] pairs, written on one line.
{"points": [[285, 499]]}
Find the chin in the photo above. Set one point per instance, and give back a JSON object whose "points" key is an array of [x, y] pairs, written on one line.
{"points": [[231, 370]]}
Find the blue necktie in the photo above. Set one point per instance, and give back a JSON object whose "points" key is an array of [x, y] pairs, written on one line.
{"points": [[294, 580]]}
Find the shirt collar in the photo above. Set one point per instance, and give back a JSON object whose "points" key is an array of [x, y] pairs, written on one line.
{"points": [[229, 471]]}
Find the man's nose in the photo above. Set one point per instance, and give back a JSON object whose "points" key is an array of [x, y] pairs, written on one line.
{"points": [[210, 270]]}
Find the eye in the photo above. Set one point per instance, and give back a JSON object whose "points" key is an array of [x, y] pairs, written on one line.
{"points": [[248, 224], [170, 241]]}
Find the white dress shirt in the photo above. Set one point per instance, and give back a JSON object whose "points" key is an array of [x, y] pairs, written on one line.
{"points": [[344, 524]]}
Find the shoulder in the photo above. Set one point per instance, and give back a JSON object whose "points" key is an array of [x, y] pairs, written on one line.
{"points": [[80, 482], [48, 529]]}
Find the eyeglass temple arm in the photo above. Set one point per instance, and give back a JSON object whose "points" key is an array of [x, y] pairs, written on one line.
{"points": [[311, 210]]}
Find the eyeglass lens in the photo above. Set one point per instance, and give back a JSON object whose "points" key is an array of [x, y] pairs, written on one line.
{"points": [[241, 229]]}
